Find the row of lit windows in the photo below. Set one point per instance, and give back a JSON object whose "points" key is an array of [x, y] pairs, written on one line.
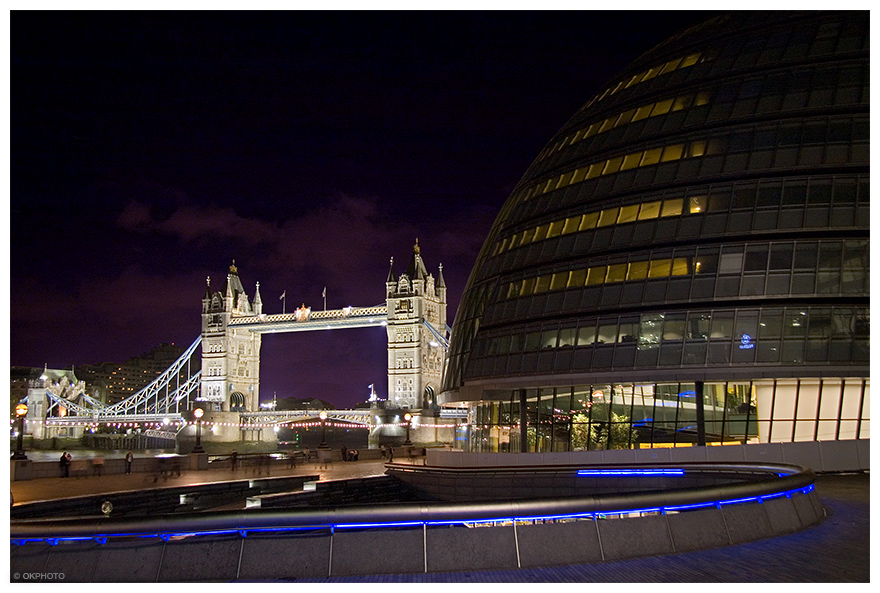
{"points": [[843, 131], [642, 158], [838, 190], [602, 218], [633, 115], [649, 329], [846, 261], [659, 268], [646, 75]]}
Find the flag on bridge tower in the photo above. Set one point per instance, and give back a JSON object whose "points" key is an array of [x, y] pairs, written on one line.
{"points": [[324, 295], [283, 299]]}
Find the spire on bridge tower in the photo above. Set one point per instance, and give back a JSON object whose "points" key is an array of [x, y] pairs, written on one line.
{"points": [[258, 301]]}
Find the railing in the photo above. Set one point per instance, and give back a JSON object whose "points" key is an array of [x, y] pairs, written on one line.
{"points": [[778, 480]]}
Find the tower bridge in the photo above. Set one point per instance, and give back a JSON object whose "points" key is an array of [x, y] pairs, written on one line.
{"points": [[226, 382]]}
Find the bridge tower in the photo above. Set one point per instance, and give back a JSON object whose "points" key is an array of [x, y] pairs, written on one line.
{"points": [[230, 356], [415, 359]]}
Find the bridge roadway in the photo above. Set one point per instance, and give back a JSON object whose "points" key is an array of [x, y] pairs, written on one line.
{"points": [[835, 550]]}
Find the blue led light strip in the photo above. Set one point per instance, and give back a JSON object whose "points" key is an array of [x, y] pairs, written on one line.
{"points": [[165, 535], [630, 472]]}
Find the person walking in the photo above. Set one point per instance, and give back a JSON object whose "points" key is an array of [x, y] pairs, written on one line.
{"points": [[129, 458], [65, 464], [233, 457], [390, 454], [344, 452]]}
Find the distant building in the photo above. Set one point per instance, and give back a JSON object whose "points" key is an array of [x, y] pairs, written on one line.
{"points": [[686, 261], [111, 382]]}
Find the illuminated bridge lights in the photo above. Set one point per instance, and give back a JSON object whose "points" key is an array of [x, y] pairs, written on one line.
{"points": [[631, 472]]}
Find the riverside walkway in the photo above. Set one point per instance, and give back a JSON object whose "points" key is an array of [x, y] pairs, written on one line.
{"points": [[835, 550]]}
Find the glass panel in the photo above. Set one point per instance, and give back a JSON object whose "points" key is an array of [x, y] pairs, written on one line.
{"points": [[659, 268], [608, 217], [672, 153], [559, 280], [577, 278], [589, 221], [528, 287], [651, 157], [680, 266], [596, 275], [616, 273], [555, 229], [642, 112], [649, 210], [628, 213], [661, 107], [571, 225], [540, 233], [697, 204], [612, 165], [542, 283], [607, 334], [533, 341], [631, 161], [672, 207], [637, 270], [548, 339], [567, 336], [586, 335]]}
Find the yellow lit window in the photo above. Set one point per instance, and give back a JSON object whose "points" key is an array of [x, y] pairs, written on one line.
{"points": [[577, 279], [634, 80], [555, 228], [689, 60], [559, 280], [514, 289], [670, 66], [589, 221], [577, 136], [571, 225], [661, 107], [527, 236], [551, 184], [563, 180], [671, 207], [637, 270], [579, 175], [540, 233], [591, 131], [628, 214], [528, 287], [606, 125], [616, 273], [682, 102], [542, 283], [650, 74], [697, 148], [596, 275], [649, 210], [630, 161], [595, 170], [672, 153], [659, 268], [612, 165], [651, 157], [608, 217], [701, 99], [680, 266], [697, 204], [625, 118], [643, 112]]}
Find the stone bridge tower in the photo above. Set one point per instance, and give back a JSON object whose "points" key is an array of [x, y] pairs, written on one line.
{"points": [[415, 357], [230, 356]]}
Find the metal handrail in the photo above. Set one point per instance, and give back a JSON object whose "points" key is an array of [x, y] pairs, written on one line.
{"points": [[785, 480]]}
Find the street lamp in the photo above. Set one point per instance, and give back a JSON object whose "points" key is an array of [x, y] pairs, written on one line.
{"points": [[198, 413], [408, 418], [20, 412], [323, 417]]}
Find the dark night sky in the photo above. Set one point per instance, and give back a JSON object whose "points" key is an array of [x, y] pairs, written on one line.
{"points": [[149, 150]]}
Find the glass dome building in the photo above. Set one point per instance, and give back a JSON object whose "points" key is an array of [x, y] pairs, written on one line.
{"points": [[686, 261]]}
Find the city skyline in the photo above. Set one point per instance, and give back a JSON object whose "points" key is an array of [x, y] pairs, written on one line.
{"points": [[149, 150]]}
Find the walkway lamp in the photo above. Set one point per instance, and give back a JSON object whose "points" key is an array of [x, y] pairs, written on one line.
{"points": [[323, 416], [21, 411], [408, 418], [198, 413]]}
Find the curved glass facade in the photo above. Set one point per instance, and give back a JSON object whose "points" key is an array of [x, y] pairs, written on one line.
{"points": [[700, 226]]}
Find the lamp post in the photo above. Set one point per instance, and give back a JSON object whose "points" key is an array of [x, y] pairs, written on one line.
{"points": [[408, 418], [20, 412], [198, 413], [323, 416]]}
